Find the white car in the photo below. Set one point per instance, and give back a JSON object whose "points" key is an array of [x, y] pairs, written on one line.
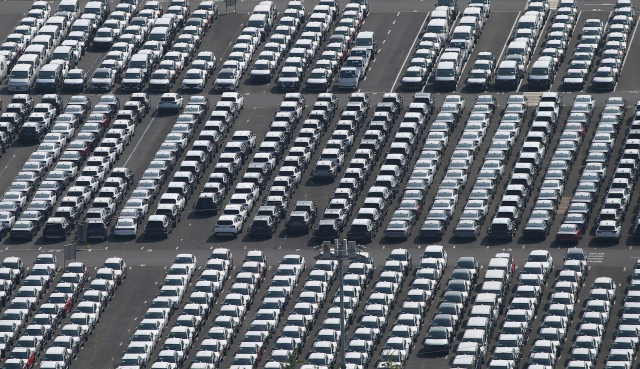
{"points": [[228, 79], [233, 97], [228, 225], [194, 79], [173, 198], [139, 204], [15, 196], [187, 260], [125, 227], [64, 128]]}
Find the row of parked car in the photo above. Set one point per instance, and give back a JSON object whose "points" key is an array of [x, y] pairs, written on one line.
{"points": [[530, 26], [263, 164], [368, 151], [347, 54], [28, 324], [41, 181], [191, 168], [510, 210], [617, 198], [39, 52], [177, 340], [594, 319], [149, 38], [343, 45], [456, 176], [610, 43]]}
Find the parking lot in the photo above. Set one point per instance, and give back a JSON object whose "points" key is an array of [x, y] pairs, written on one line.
{"points": [[398, 27]]}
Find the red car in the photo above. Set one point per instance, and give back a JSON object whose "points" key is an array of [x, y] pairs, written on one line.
{"points": [[103, 119], [569, 232], [576, 127], [205, 15], [347, 32], [26, 356], [79, 268], [341, 49], [155, 5], [512, 262], [411, 205], [82, 146], [175, 67]]}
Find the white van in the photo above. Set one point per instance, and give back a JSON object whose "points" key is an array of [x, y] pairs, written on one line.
{"points": [[463, 32], [439, 27], [21, 78], [446, 75], [367, 40], [47, 42], [4, 67], [261, 22], [32, 60], [70, 6]]}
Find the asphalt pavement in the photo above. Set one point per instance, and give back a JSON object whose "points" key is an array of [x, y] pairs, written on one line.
{"points": [[397, 25]]}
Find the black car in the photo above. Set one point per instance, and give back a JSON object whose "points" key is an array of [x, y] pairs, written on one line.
{"points": [[208, 202], [32, 132], [125, 173], [308, 206], [537, 229], [328, 230], [433, 229], [71, 214], [262, 226], [43, 206], [23, 230], [57, 228], [97, 229], [299, 221]]}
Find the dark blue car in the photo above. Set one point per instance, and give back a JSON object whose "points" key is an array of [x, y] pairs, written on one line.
{"points": [[12, 207], [579, 219]]}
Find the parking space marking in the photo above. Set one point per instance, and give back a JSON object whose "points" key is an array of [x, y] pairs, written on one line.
{"points": [[410, 51], [141, 137], [595, 257], [626, 56], [509, 37]]}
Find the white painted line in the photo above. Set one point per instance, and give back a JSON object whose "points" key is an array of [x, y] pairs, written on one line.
{"points": [[140, 140], [509, 36], [410, 51], [626, 55]]}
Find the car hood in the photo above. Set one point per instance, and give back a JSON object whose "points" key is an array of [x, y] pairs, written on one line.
{"points": [[476, 80], [69, 80], [132, 80], [159, 81], [317, 80], [603, 79], [261, 72], [287, 79], [223, 80], [100, 80], [411, 79]]}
